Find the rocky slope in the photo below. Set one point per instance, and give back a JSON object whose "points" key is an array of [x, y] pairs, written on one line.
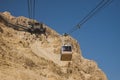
{"points": [[25, 56]]}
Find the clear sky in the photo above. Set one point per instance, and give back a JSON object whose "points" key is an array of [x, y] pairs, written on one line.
{"points": [[99, 37]]}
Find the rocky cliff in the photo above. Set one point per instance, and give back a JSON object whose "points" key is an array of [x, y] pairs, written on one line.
{"points": [[25, 56]]}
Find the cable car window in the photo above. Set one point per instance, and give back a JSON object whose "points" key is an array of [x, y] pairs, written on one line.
{"points": [[67, 48]]}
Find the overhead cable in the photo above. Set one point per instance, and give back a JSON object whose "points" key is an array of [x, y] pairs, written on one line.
{"points": [[101, 5], [31, 8]]}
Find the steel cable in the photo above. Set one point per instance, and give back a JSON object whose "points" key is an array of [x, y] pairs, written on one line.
{"points": [[90, 15]]}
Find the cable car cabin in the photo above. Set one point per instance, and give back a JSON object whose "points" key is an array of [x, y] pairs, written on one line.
{"points": [[66, 53]]}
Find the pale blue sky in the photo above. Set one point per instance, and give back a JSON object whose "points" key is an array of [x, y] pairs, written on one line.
{"points": [[99, 37]]}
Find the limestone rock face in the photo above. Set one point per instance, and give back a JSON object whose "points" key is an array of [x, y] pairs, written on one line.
{"points": [[25, 56]]}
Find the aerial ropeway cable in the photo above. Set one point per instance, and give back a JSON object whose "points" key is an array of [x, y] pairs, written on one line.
{"points": [[31, 8], [101, 5]]}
